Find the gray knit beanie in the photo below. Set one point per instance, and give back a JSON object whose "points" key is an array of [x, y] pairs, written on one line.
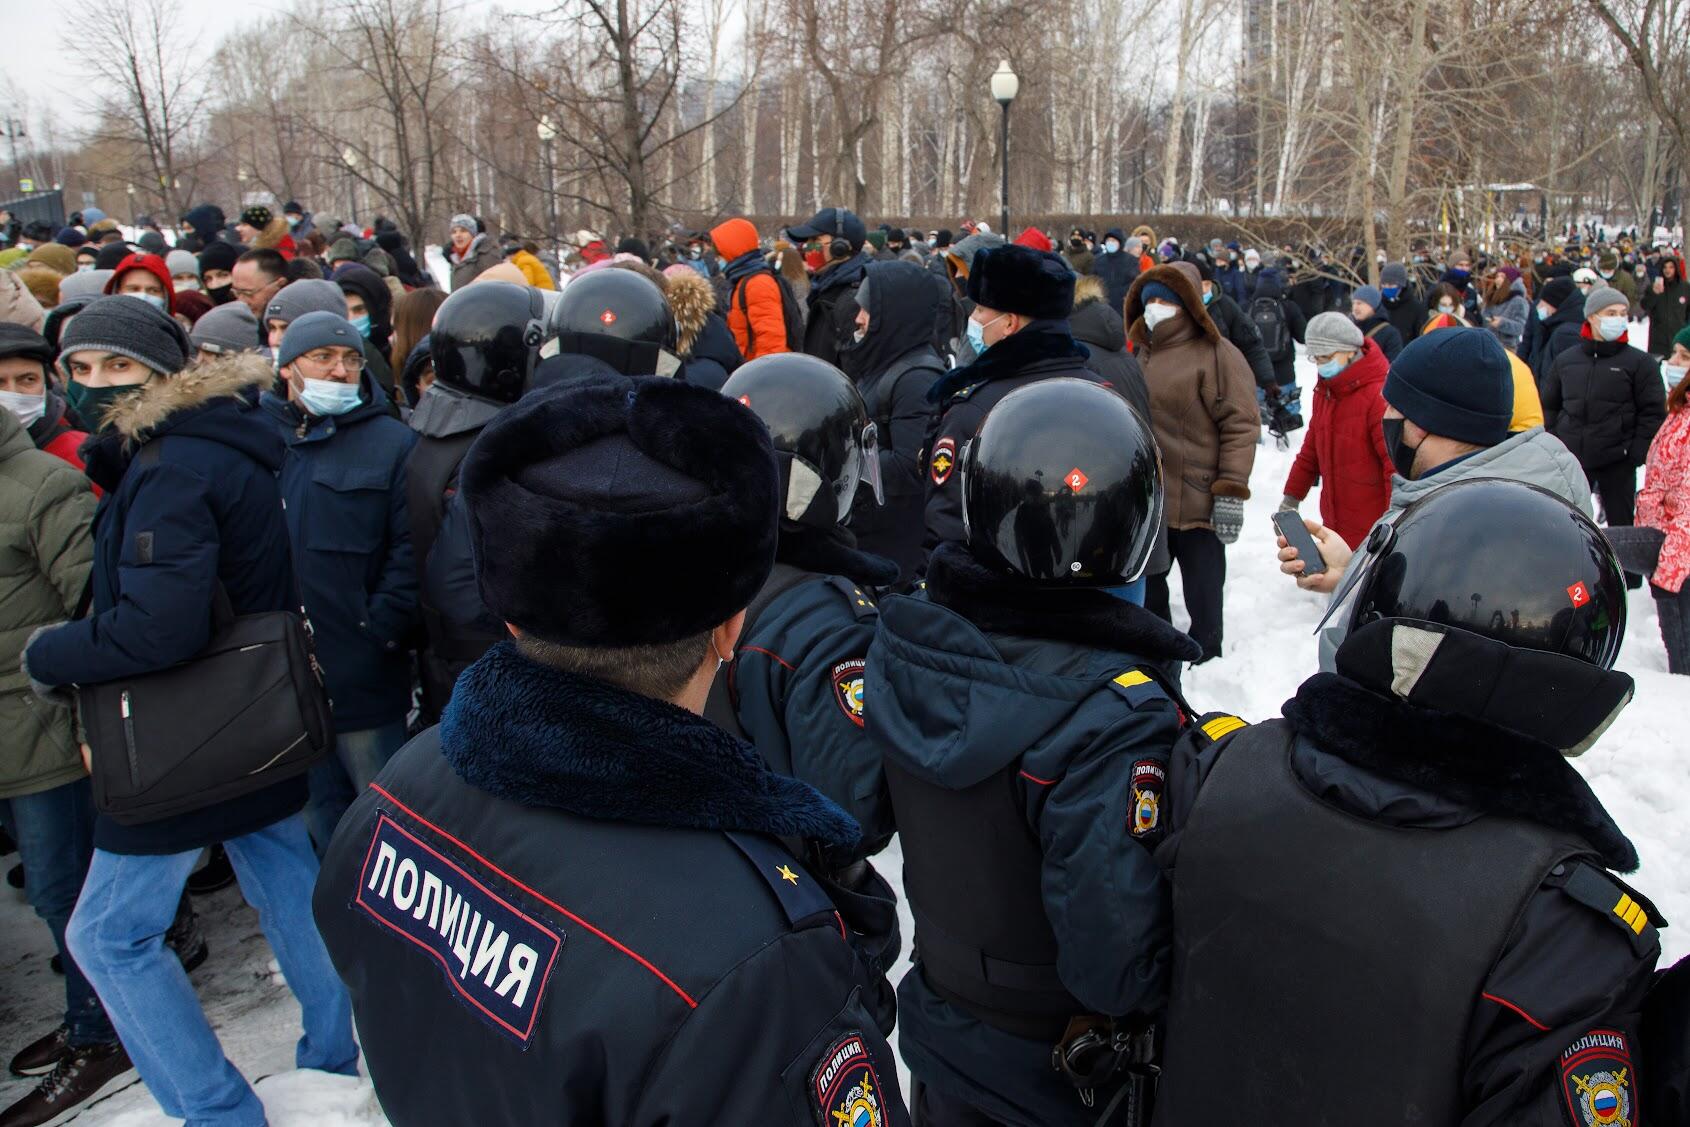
{"points": [[1331, 332], [227, 328], [1601, 297], [1369, 296], [309, 295], [1394, 274], [181, 262], [84, 283], [124, 325], [316, 330]]}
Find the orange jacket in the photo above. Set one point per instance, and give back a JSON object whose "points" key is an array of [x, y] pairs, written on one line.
{"points": [[759, 328]]}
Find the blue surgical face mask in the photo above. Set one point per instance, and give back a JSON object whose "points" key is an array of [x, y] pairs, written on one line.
{"points": [[362, 324], [1389, 293], [326, 397], [153, 300], [977, 332], [1111, 247], [1329, 369], [1610, 328], [1208, 296]]}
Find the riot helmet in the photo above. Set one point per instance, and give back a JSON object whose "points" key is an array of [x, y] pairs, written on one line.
{"points": [[1500, 559], [485, 339], [1062, 486], [618, 317], [826, 445]]}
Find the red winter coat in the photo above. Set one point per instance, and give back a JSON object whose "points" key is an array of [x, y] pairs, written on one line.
{"points": [[1664, 500], [1344, 449]]}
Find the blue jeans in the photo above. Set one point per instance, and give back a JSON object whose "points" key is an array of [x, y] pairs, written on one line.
{"points": [[55, 834], [336, 780], [117, 933]]}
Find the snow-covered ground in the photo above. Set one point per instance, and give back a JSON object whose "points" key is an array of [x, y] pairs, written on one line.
{"points": [[1636, 769]]}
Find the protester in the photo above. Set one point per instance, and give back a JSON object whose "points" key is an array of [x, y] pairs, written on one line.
{"points": [[343, 485], [1664, 505], [258, 275], [369, 307], [1203, 411], [412, 316], [1560, 325], [1666, 302], [1366, 310], [261, 229], [755, 307], [1099, 327], [471, 252], [1280, 323], [1503, 307], [28, 392], [1234, 326], [144, 276], [1116, 267], [295, 300], [1344, 450], [703, 342], [207, 513], [838, 237], [1603, 400]]}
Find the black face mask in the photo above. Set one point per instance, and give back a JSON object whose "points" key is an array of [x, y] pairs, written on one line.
{"points": [[221, 295], [1402, 454]]}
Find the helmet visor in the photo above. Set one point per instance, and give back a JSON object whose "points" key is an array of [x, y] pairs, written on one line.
{"points": [[871, 463]]}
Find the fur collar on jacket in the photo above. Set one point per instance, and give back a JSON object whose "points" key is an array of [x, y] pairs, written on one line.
{"points": [[691, 299], [832, 551], [1085, 617], [240, 375], [543, 737], [1479, 765], [1009, 357], [1187, 283]]}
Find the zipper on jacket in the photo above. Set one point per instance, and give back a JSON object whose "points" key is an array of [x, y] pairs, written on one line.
{"points": [[129, 741]]}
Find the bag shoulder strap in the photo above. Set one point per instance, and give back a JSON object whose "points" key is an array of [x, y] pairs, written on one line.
{"points": [[1375, 329]]}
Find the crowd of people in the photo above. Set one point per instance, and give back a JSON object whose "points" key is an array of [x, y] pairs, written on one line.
{"points": [[708, 562]]}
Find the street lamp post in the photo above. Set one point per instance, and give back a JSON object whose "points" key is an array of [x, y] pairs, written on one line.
{"points": [[548, 134], [1005, 85], [350, 159]]}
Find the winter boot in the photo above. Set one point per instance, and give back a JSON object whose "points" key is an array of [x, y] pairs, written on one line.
{"points": [[80, 1077], [215, 874], [39, 1057], [184, 936]]}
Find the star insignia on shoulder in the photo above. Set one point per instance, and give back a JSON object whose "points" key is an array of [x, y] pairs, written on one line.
{"points": [[787, 874]]}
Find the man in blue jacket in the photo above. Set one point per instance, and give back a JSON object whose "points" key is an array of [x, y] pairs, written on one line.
{"points": [[205, 512], [344, 484], [1026, 716]]}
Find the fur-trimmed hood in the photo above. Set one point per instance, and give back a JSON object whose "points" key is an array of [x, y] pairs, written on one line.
{"points": [[239, 375], [1186, 282], [691, 299], [274, 235]]}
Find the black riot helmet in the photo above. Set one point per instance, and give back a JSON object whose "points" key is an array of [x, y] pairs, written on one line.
{"points": [[1501, 559], [823, 438], [618, 317], [485, 339], [1063, 486]]}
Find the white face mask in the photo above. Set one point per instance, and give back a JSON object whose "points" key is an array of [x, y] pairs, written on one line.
{"points": [[1155, 313], [1673, 374], [25, 406], [186, 285], [1446, 307]]}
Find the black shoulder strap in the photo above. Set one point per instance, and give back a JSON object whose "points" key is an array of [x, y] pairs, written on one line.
{"points": [[745, 312]]}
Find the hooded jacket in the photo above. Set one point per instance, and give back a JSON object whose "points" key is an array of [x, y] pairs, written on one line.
{"points": [[378, 302], [703, 341], [1117, 269], [1055, 699], [832, 314], [1558, 332], [1344, 449], [207, 221], [755, 315], [1668, 312], [46, 551], [1270, 286], [209, 511], [1097, 326], [894, 367], [1604, 400], [480, 256], [277, 237], [153, 265], [532, 269], [343, 483], [1202, 400], [1383, 331], [1406, 312]]}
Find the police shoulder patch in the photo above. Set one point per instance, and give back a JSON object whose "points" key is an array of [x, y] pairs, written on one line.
{"points": [[943, 461], [844, 1086], [847, 679], [1599, 1080], [496, 957], [1149, 778]]}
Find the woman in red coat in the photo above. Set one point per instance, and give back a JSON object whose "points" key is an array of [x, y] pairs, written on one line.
{"points": [[1344, 448]]}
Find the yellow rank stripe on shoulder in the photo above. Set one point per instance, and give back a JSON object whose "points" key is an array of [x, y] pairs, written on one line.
{"points": [[1130, 678], [1632, 913], [1222, 725]]}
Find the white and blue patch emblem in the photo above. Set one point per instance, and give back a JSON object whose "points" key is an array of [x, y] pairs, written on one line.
{"points": [[844, 1086], [1597, 1079], [496, 958], [1149, 776], [848, 689]]}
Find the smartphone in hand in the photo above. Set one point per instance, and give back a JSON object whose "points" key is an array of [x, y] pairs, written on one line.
{"points": [[1296, 533]]}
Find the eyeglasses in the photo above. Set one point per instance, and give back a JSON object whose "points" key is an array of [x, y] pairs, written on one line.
{"points": [[243, 294], [322, 358]]}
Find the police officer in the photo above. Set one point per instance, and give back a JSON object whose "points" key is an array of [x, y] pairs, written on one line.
{"points": [[794, 688], [569, 903], [610, 320], [483, 343], [1019, 333], [1026, 716], [1394, 905]]}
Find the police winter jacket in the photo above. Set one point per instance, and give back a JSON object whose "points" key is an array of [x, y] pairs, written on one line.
{"points": [[682, 967], [1344, 449], [1101, 330], [1550, 1033], [344, 484], [209, 511], [46, 550], [1202, 401], [1604, 400], [1042, 350], [832, 314], [1050, 705]]}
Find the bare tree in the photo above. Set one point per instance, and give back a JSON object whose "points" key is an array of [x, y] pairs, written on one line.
{"points": [[1655, 35]]}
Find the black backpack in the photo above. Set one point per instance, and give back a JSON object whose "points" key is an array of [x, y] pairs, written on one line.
{"points": [[1269, 318], [789, 311]]}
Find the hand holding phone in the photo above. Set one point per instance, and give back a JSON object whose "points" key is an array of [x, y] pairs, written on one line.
{"points": [[1290, 525]]}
